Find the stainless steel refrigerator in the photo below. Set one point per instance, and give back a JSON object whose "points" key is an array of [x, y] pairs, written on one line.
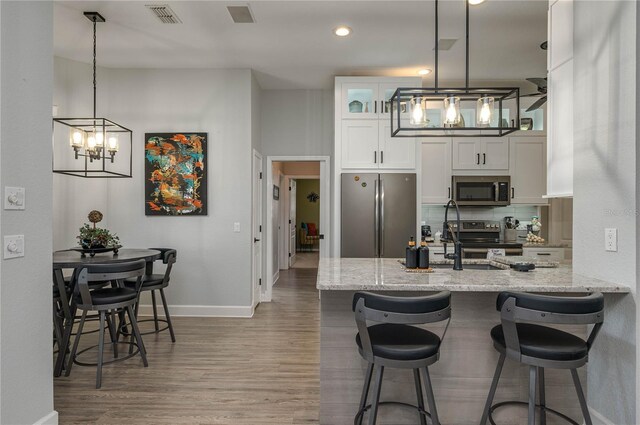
{"points": [[378, 214]]}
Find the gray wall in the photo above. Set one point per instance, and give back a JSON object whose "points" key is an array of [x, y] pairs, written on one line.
{"points": [[212, 268], [26, 385], [605, 176]]}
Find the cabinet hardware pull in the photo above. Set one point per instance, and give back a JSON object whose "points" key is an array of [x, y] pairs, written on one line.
{"points": [[513, 192], [375, 157], [543, 253], [478, 160], [484, 158], [449, 196], [375, 106], [381, 157]]}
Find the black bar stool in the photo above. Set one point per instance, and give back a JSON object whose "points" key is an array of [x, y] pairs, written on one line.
{"points": [[543, 347], [118, 299], [157, 282], [395, 343]]}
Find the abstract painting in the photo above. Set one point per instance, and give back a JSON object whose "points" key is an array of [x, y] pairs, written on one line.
{"points": [[175, 173]]}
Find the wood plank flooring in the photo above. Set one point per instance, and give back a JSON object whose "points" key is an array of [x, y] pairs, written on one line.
{"points": [[263, 370]]}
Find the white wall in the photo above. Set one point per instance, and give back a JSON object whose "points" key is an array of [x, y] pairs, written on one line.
{"points": [[213, 261], [26, 80], [605, 187]]}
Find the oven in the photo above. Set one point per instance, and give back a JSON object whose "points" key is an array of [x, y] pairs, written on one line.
{"points": [[478, 237], [482, 190]]}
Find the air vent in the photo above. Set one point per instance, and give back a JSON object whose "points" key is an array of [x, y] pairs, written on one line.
{"points": [[164, 13], [241, 14], [446, 43]]}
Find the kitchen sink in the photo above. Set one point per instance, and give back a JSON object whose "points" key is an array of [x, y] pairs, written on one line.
{"points": [[467, 266]]}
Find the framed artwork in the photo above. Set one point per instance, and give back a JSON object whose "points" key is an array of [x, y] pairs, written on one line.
{"points": [[276, 192], [175, 170]]}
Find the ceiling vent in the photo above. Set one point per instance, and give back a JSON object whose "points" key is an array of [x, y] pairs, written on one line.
{"points": [[241, 14], [446, 43], [164, 13]]}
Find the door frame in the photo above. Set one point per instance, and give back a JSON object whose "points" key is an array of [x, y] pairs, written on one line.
{"points": [[256, 219], [325, 213]]}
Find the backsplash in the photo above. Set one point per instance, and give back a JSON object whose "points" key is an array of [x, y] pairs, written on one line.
{"points": [[433, 215]]}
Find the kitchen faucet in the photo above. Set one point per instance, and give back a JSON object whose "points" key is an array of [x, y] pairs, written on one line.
{"points": [[455, 236]]}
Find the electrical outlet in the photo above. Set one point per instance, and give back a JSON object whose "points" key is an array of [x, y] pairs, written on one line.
{"points": [[611, 240], [236, 227], [13, 246], [14, 198]]}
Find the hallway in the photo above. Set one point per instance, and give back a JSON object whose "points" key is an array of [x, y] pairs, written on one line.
{"points": [[263, 370]]}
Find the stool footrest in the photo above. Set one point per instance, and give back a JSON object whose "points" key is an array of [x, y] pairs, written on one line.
{"points": [[117, 359], [397, 403], [126, 333], [524, 404]]}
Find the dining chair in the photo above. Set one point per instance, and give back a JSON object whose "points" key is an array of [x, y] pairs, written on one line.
{"points": [[119, 299]]}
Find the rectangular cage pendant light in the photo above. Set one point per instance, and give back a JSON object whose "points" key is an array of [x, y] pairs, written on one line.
{"points": [[458, 112], [92, 148]]}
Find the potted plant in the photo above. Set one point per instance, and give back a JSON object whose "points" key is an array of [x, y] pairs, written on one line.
{"points": [[92, 238]]}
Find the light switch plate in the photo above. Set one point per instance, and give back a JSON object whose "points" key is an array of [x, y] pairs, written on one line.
{"points": [[14, 198], [236, 227], [13, 246], [611, 240]]}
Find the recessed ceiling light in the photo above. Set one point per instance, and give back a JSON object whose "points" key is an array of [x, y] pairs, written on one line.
{"points": [[475, 2], [342, 31], [425, 71]]}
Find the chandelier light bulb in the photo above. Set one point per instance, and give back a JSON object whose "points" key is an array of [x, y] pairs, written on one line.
{"points": [[418, 115], [113, 143], [91, 143], [77, 138], [452, 110], [99, 138], [484, 111]]}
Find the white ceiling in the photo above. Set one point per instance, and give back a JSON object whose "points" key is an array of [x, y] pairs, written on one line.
{"points": [[291, 45]]}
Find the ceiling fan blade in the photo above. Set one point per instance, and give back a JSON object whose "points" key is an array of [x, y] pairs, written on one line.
{"points": [[538, 103], [540, 82]]}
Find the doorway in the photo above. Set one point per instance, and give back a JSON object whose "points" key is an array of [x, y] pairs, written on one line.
{"points": [[256, 228], [296, 239]]}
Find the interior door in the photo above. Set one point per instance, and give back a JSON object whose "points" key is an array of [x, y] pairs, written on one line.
{"points": [[257, 227], [292, 222]]}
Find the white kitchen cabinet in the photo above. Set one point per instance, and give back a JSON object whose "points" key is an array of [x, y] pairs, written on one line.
{"points": [[367, 144], [527, 161], [436, 171], [560, 100], [359, 144], [369, 99], [543, 253], [487, 153], [395, 152]]}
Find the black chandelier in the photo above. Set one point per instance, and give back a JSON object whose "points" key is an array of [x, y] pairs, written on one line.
{"points": [[87, 147], [440, 112]]}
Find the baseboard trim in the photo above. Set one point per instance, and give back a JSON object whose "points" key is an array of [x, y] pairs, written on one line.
{"points": [[50, 419], [598, 418], [200, 311]]}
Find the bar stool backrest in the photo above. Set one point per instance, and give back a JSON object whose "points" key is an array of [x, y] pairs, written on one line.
{"points": [[168, 257], [399, 310], [518, 307], [108, 272]]}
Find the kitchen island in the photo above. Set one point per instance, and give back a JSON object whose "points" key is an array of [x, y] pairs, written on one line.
{"points": [[462, 376]]}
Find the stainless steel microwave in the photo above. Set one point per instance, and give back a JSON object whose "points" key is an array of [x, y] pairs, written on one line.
{"points": [[482, 190]]}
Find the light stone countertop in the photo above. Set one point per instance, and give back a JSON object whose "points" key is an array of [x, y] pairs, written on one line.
{"points": [[523, 242], [385, 274]]}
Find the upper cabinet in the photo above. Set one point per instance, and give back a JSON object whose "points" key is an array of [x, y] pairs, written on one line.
{"points": [[436, 170], [486, 153], [368, 97], [363, 125], [560, 100], [527, 169]]}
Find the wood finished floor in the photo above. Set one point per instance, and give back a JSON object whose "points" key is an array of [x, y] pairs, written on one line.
{"points": [[263, 370]]}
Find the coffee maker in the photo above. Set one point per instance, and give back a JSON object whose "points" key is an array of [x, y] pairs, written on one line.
{"points": [[425, 231]]}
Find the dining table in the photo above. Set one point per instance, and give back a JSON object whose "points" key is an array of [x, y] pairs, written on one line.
{"points": [[72, 259]]}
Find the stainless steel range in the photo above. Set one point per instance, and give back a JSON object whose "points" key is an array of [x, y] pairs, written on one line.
{"points": [[478, 237]]}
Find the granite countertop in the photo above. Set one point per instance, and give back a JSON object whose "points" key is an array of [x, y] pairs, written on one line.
{"points": [[524, 245], [385, 274]]}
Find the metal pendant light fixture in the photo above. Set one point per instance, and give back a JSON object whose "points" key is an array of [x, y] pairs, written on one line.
{"points": [[458, 112], [92, 147]]}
